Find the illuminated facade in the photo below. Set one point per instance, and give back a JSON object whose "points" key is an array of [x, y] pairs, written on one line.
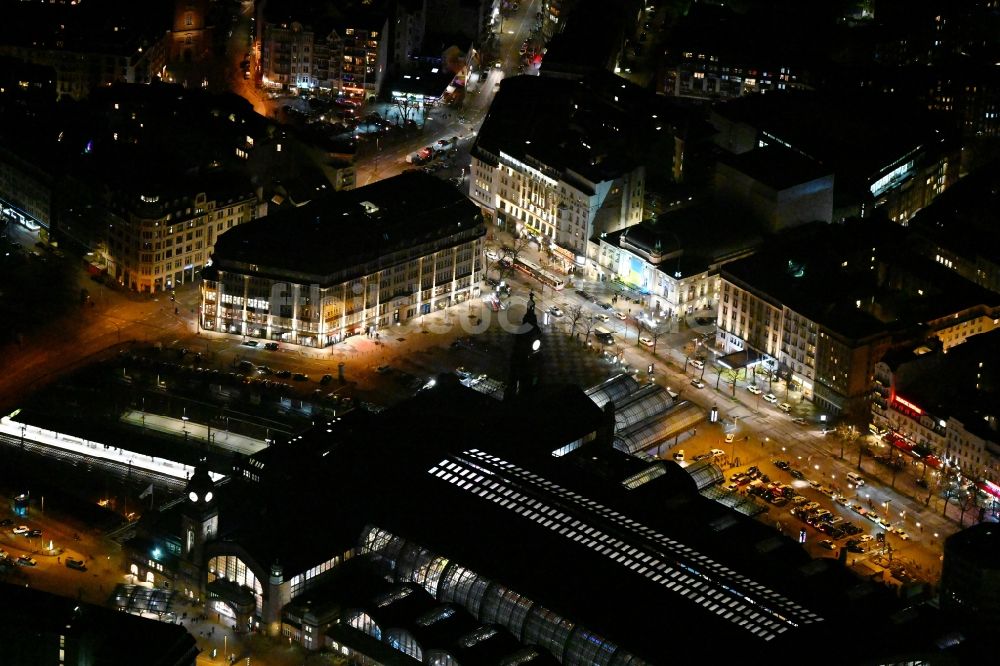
{"points": [[431, 261], [158, 241], [311, 54], [564, 208]]}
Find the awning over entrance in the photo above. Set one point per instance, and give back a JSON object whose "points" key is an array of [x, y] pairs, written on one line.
{"points": [[741, 359], [138, 598]]}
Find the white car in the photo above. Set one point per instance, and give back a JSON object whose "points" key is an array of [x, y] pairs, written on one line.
{"points": [[491, 255], [865, 537], [697, 383], [730, 437], [679, 456], [698, 363], [753, 388], [771, 398], [601, 316], [621, 315], [643, 340], [785, 407], [23, 529], [717, 453], [555, 311]]}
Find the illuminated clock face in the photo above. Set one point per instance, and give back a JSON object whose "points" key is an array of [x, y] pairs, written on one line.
{"points": [[536, 345], [208, 496], [193, 496]]}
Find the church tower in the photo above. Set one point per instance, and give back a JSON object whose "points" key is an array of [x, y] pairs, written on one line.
{"points": [[526, 357], [190, 36], [200, 515]]}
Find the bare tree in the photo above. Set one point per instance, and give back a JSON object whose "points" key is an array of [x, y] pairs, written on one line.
{"points": [[575, 314], [587, 323], [507, 257]]}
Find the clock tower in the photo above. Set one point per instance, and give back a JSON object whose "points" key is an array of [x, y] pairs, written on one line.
{"points": [[526, 357], [200, 515]]}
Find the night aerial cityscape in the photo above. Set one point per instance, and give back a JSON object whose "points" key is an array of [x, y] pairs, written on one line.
{"points": [[498, 332]]}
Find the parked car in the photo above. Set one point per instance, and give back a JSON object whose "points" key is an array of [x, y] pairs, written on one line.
{"points": [[21, 529], [250, 343], [644, 340], [697, 383], [300, 377], [75, 564], [283, 374], [679, 456], [771, 398], [753, 388], [785, 407], [326, 379], [797, 474], [26, 561], [698, 363], [730, 437], [271, 346], [34, 533]]}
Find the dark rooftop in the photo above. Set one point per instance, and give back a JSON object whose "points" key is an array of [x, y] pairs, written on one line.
{"points": [[600, 127], [856, 135], [824, 271], [980, 543], [963, 218], [118, 27], [776, 166], [343, 230], [691, 239], [378, 470], [31, 622]]}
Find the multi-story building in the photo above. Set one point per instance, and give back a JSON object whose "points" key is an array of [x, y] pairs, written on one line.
{"points": [[576, 170], [802, 343], [879, 160], [958, 231], [715, 56], [292, 57], [86, 49], [405, 247], [823, 305], [943, 405], [162, 237], [306, 50], [970, 577], [673, 261]]}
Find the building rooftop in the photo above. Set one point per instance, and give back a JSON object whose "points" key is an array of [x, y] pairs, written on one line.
{"points": [[118, 27], [591, 41], [980, 543], [776, 166], [963, 218], [565, 532], [857, 279], [690, 240], [858, 136], [31, 622], [339, 232], [600, 127]]}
